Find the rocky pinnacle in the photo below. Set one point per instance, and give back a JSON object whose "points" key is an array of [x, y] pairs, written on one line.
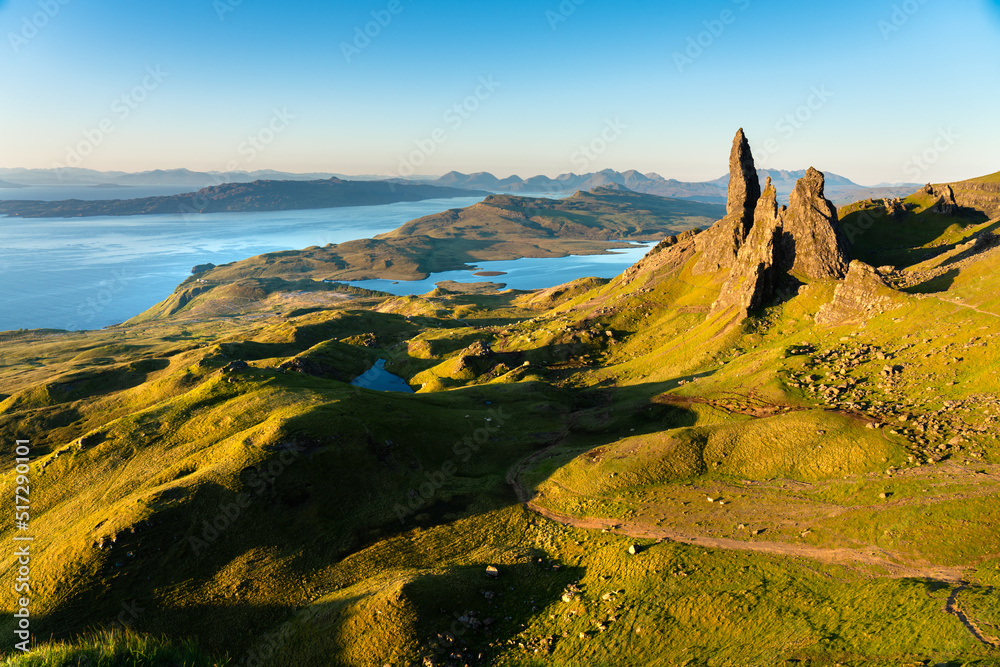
{"points": [[812, 244], [720, 244], [744, 186]]}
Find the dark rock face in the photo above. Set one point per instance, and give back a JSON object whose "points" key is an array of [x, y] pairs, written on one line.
{"points": [[812, 244], [752, 279], [720, 244], [946, 204], [744, 187], [862, 295]]}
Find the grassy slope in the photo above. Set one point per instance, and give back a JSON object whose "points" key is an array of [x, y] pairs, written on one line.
{"points": [[633, 409]]}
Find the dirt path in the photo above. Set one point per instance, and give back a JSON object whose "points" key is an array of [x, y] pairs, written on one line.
{"points": [[952, 608], [965, 305], [849, 557], [853, 557]]}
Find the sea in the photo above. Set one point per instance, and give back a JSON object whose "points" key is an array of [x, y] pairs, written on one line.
{"points": [[93, 272]]}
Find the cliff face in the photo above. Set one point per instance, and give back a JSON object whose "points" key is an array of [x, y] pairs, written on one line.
{"points": [[980, 194], [759, 243]]}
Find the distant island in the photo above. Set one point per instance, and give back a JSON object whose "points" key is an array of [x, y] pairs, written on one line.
{"points": [[235, 197], [501, 227]]}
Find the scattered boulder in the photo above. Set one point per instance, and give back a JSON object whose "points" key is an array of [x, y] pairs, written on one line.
{"points": [[492, 571], [634, 549], [237, 366]]}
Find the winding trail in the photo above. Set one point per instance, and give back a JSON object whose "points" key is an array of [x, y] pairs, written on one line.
{"points": [[844, 556], [849, 557], [952, 608]]}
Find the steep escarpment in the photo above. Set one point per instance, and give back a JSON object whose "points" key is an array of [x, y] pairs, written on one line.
{"points": [[982, 194]]}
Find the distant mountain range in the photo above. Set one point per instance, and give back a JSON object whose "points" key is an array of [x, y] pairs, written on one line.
{"points": [[838, 188], [177, 177], [255, 196]]}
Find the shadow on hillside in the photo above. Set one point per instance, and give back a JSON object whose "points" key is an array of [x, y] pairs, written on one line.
{"points": [[877, 238], [333, 503], [463, 611], [937, 284]]}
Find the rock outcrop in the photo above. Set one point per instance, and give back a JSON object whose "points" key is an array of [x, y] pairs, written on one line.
{"points": [[862, 295], [720, 244], [812, 244], [946, 204], [744, 187], [979, 194], [752, 279]]}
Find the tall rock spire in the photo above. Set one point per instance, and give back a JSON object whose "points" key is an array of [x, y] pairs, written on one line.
{"points": [[744, 186], [720, 244], [752, 279], [812, 244]]}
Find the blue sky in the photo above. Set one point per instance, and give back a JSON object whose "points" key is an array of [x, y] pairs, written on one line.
{"points": [[859, 88]]}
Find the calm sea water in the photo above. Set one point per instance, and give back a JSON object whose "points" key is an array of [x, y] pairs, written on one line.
{"points": [[526, 273], [88, 273]]}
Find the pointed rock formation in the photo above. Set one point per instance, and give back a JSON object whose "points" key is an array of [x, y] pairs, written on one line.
{"points": [[744, 187], [720, 244], [812, 244], [752, 280]]}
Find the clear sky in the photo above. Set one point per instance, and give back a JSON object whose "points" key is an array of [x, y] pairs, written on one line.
{"points": [[856, 87]]}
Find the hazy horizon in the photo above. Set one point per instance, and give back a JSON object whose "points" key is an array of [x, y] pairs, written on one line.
{"points": [[390, 87], [427, 177]]}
